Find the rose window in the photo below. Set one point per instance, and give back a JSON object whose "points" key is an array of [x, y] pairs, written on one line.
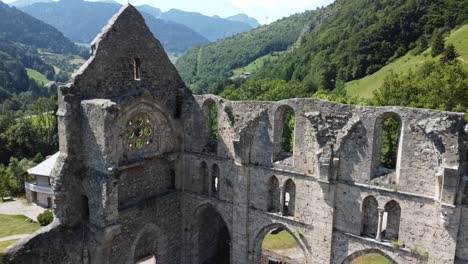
{"points": [[139, 132]]}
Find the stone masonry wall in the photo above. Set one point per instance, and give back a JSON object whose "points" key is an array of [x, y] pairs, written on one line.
{"points": [[139, 173]]}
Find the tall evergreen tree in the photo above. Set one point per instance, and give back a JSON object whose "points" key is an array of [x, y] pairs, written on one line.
{"points": [[450, 54], [438, 45]]}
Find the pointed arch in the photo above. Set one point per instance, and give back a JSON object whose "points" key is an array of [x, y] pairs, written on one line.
{"points": [[387, 143], [204, 176], [357, 254], [210, 111], [370, 216], [392, 220], [285, 123], [215, 180], [289, 198], [276, 227], [274, 195], [150, 241], [210, 236]]}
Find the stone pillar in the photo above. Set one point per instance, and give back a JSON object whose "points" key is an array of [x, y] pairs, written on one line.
{"points": [[281, 207], [379, 225]]}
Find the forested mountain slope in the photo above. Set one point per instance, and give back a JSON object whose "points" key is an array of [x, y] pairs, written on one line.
{"points": [[81, 21], [22, 39], [361, 36], [202, 66]]}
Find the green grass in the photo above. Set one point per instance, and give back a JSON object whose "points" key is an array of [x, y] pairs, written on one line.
{"points": [[37, 76], [459, 39], [4, 245], [364, 87], [282, 240], [258, 63], [44, 120], [371, 259], [77, 60], [15, 225]]}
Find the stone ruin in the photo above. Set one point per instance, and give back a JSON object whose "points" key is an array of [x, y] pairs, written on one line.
{"points": [[142, 175]]}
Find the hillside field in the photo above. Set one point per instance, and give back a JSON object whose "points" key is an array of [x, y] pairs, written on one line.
{"points": [[364, 87]]}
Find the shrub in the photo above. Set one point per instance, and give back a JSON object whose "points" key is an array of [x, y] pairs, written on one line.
{"points": [[45, 218], [395, 244], [414, 250]]}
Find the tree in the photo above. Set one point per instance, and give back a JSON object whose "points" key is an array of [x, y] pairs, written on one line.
{"points": [[450, 54], [438, 45]]}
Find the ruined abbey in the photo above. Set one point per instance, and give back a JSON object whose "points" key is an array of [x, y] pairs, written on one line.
{"points": [[142, 175]]}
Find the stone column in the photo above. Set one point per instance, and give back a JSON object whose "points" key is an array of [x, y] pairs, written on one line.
{"points": [[281, 206], [379, 225]]}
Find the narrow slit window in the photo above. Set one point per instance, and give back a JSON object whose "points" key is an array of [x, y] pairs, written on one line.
{"points": [[137, 68]]}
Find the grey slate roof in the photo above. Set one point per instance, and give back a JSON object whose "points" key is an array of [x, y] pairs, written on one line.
{"points": [[44, 168]]}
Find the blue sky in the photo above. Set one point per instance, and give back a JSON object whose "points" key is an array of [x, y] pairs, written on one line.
{"points": [[259, 9], [265, 11]]}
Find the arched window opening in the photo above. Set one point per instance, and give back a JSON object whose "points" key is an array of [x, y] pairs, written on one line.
{"points": [[211, 114], [370, 216], [137, 69], [215, 181], [285, 122], [279, 245], [391, 221], [274, 195], [204, 178], [84, 207], [387, 143], [289, 197]]}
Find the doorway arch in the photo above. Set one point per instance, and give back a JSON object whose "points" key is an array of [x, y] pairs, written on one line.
{"points": [[211, 238]]}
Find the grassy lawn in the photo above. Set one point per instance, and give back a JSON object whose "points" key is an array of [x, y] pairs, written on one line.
{"points": [[282, 240], [4, 245], [364, 87], [371, 259], [15, 225], [459, 39], [37, 76], [258, 63]]}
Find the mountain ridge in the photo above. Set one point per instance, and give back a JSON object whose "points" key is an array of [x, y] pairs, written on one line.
{"points": [[67, 16]]}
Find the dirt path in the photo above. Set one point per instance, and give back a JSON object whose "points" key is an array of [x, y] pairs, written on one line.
{"points": [[20, 208], [8, 238]]}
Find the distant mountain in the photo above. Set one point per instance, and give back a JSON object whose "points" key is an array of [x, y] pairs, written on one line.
{"points": [[202, 66], [22, 39], [81, 21], [212, 28], [156, 12], [23, 3], [245, 19]]}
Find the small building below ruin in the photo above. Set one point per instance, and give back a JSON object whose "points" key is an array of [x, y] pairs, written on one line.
{"points": [[39, 190]]}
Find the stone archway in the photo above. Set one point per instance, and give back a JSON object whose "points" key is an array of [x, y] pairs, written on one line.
{"points": [[363, 253], [148, 243], [257, 250], [211, 239]]}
